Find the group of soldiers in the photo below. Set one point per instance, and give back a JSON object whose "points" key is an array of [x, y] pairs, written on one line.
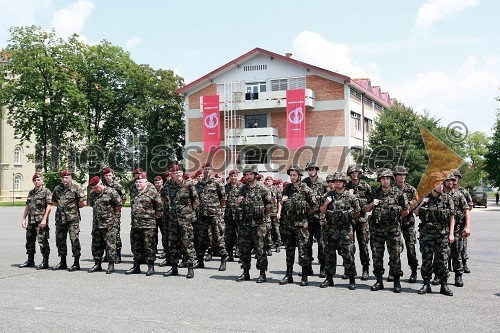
{"points": [[201, 216]]}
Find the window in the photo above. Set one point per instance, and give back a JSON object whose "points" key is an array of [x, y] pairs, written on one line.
{"points": [[17, 183], [356, 94], [290, 83], [255, 121], [357, 120], [252, 90], [17, 155], [368, 125], [254, 68]]}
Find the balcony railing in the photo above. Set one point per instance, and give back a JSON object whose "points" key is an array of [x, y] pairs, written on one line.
{"points": [[252, 136]]}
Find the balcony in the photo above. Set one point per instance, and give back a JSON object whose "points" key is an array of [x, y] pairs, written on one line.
{"points": [[252, 136], [267, 100]]}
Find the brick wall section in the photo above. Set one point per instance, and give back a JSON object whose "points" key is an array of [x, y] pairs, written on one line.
{"points": [[194, 99], [324, 89], [196, 159], [327, 123]]}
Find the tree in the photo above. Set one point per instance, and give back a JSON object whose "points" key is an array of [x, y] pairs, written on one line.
{"points": [[476, 148], [492, 158]]}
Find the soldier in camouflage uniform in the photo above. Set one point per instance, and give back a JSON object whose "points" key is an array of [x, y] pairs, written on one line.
{"points": [[37, 211], [408, 222], [160, 227], [232, 189], [339, 209], [297, 201], [212, 201], [68, 198], [146, 208], [255, 202], [462, 227], [274, 234], [166, 218], [388, 205], [106, 204], [109, 181], [468, 198], [183, 200], [319, 188], [436, 213], [361, 228]]}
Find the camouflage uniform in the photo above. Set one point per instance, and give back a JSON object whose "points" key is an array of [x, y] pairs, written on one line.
{"points": [[463, 252], [211, 192], [145, 206], [121, 192], [408, 228], [105, 222], [457, 246], [231, 216], [68, 218], [167, 215], [37, 203]]}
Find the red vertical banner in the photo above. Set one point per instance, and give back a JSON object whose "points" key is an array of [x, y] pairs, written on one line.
{"points": [[295, 118], [211, 122]]}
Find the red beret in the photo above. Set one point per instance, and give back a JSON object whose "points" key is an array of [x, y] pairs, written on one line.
{"points": [[138, 171], [175, 168], [158, 178], [206, 165], [94, 181], [269, 178], [217, 175], [65, 173], [106, 171], [167, 173], [259, 176], [197, 173], [233, 172], [278, 181], [186, 176], [285, 183], [36, 175], [141, 175], [243, 179]]}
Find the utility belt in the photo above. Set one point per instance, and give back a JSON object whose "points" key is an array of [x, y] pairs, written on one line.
{"points": [[297, 207], [255, 212]]}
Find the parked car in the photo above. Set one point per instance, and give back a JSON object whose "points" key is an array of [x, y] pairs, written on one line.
{"points": [[480, 199]]}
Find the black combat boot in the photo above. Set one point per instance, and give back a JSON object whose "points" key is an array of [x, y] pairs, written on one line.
{"points": [[390, 278], [208, 257], [379, 285], [328, 281], [322, 273], [288, 276], [303, 281], [44, 264], [245, 276], [61, 265], [352, 282], [30, 262], [413, 275], [76, 265], [164, 263], [136, 269], [436, 281], [119, 256], [151, 268], [365, 274], [97, 266], [450, 267], [444, 288], [111, 268], [277, 247], [269, 251], [397, 284], [466, 268], [222, 266], [199, 263], [458, 280], [174, 271], [426, 288], [190, 273], [345, 276], [164, 255], [183, 263], [262, 276]]}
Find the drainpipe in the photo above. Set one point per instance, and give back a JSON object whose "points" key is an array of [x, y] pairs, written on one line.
{"points": [[363, 123]]}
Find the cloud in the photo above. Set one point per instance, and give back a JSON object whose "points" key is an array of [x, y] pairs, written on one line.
{"points": [[435, 10], [70, 20], [467, 95], [312, 48], [133, 42]]}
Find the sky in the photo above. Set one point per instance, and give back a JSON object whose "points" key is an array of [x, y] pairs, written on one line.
{"points": [[442, 56]]}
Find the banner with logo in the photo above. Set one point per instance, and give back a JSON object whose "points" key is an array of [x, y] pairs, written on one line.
{"points": [[296, 118], [211, 122]]}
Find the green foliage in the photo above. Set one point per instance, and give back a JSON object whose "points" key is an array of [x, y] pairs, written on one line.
{"points": [[53, 178], [492, 158]]}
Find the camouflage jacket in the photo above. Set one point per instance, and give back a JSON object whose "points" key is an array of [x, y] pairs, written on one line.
{"points": [[211, 192], [165, 196], [256, 199], [37, 203], [460, 206], [467, 196], [391, 204], [361, 190], [134, 192], [231, 196], [145, 206], [118, 188], [67, 200], [276, 196], [183, 197], [104, 205], [341, 209], [436, 213], [319, 188], [300, 199], [411, 193]]}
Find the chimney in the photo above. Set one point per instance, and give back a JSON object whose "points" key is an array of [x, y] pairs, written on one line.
{"points": [[288, 55]]}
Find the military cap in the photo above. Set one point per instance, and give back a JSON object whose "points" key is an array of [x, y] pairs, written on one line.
{"points": [[105, 171], [65, 173], [94, 181], [269, 178], [36, 175], [251, 168], [243, 179], [337, 176], [233, 172], [186, 176], [206, 166], [354, 167], [197, 173], [259, 176], [167, 174], [175, 167], [138, 171], [217, 175], [158, 178], [384, 172], [448, 175], [312, 165], [141, 175], [400, 170], [457, 173], [278, 181], [294, 167]]}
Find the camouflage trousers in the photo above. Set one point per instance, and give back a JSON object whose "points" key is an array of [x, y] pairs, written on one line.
{"points": [[464, 253], [35, 233], [275, 230], [62, 231], [341, 240], [118, 226], [361, 232], [296, 237], [456, 249], [104, 239], [142, 243], [314, 228], [379, 237], [215, 225], [180, 238], [434, 249], [231, 233], [252, 236], [410, 237]]}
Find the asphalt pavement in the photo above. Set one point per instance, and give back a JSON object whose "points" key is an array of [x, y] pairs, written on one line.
{"points": [[57, 301]]}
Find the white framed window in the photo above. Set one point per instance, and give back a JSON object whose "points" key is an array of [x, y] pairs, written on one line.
{"points": [[17, 155], [357, 120], [368, 125], [289, 83], [17, 183]]}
